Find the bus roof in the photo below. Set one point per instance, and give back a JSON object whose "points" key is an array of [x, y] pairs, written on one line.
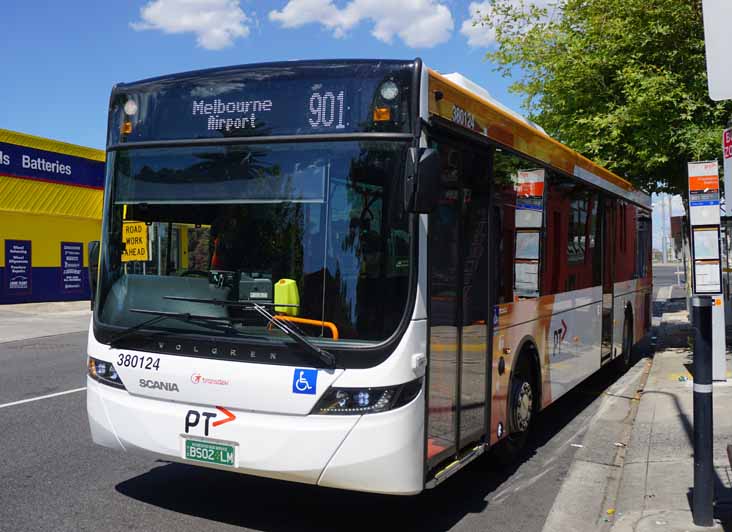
{"points": [[485, 116]]}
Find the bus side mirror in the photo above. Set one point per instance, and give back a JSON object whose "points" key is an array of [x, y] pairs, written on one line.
{"points": [[93, 254], [423, 180]]}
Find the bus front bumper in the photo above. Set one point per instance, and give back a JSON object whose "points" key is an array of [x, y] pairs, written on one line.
{"points": [[380, 453]]}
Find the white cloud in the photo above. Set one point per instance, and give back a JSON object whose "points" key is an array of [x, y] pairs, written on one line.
{"points": [[216, 23], [481, 36], [477, 34], [419, 23]]}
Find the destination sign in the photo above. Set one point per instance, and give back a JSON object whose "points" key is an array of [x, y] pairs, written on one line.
{"points": [[261, 100]]}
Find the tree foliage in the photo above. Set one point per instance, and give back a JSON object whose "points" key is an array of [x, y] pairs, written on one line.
{"points": [[621, 81]]}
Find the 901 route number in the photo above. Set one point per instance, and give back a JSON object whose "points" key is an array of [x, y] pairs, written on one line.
{"points": [[134, 361]]}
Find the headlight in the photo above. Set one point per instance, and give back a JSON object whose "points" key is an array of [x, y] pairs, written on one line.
{"points": [[357, 401], [130, 107], [104, 372], [389, 90]]}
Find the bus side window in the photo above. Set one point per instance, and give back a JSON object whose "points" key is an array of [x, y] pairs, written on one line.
{"points": [[571, 236], [519, 210], [643, 243], [625, 245]]}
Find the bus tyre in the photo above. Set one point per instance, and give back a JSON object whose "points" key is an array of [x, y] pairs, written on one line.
{"points": [[522, 402]]}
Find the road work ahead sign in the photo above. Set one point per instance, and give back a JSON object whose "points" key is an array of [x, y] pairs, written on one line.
{"points": [[718, 42], [134, 235]]}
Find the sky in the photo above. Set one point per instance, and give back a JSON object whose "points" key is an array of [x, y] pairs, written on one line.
{"points": [[60, 60], [677, 209]]}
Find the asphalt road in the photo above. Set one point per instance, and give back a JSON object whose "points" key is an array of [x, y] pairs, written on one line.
{"points": [[664, 275], [53, 478]]}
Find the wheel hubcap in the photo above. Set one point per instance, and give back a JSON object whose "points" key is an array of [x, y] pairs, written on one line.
{"points": [[524, 406]]}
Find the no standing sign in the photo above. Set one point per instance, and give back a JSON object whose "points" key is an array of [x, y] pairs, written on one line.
{"points": [[727, 151]]}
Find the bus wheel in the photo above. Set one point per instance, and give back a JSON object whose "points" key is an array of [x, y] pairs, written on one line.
{"points": [[522, 403]]}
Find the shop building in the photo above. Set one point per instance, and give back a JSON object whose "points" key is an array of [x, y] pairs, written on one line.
{"points": [[51, 197]]}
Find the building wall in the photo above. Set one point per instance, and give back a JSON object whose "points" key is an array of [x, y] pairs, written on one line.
{"points": [[51, 196], [46, 233]]}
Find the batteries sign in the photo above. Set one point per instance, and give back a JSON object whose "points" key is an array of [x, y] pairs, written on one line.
{"points": [[704, 193], [135, 238]]}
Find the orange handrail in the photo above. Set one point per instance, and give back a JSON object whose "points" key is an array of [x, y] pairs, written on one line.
{"points": [[306, 321]]}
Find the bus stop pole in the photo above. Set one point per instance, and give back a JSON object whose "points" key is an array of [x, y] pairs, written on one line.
{"points": [[703, 498]]}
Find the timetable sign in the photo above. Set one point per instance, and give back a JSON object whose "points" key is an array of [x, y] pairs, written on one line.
{"points": [[704, 193]]}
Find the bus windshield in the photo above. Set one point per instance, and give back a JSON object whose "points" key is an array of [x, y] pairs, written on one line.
{"points": [[314, 232]]}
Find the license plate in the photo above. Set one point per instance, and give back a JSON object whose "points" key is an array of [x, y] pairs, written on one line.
{"points": [[210, 452]]}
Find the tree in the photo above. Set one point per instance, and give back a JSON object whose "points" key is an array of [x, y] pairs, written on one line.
{"points": [[621, 81]]}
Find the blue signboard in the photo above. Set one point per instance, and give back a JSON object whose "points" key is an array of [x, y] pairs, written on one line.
{"points": [[30, 163], [18, 275], [72, 267], [305, 381]]}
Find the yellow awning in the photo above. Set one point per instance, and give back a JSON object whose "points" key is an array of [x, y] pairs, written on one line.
{"points": [[38, 197], [39, 143]]}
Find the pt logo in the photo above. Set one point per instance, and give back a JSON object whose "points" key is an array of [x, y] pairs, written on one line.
{"points": [[193, 418], [559, 335]]}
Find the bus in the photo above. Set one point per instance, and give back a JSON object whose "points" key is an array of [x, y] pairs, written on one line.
{"points": [[359, 274]]}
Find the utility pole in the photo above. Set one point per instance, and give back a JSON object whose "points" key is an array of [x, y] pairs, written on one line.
{"points": [[670, 237], [664, 247]]}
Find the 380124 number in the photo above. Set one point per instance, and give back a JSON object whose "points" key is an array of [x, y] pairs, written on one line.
{"points": [[141, 362], [327, 109]]}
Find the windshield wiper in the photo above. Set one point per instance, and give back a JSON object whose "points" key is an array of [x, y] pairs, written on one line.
{"points": [[324, 356], [327, 358], [241, 303], [160, 315]]}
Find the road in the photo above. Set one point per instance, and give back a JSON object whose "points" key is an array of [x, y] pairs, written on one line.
{"points": [[664, 279], [54, 478]]}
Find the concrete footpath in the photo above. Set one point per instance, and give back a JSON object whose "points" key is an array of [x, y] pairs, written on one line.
{"points": [[658, 471], [33, 320], [634, 467]]}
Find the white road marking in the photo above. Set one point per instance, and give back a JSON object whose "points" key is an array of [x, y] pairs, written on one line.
{"points": [[42, 397]]}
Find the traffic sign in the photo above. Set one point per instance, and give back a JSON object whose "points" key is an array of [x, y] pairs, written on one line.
{"points": [[727, 152], [135, 238]]}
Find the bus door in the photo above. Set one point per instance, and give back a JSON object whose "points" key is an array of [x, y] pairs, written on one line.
{"points": [[608, 276], [459, 306]]}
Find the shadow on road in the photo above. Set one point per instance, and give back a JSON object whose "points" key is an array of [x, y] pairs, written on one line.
{"points": [[272, 505]]}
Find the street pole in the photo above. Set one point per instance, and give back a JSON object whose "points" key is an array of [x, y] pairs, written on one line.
{"points": [[702, 502], [670, 239], [663, 231]]}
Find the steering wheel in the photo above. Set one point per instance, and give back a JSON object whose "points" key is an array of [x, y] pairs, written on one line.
{"points": [[194, 273]]}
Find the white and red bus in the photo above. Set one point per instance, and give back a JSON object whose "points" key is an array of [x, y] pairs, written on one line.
{"points": [[354, 274]]}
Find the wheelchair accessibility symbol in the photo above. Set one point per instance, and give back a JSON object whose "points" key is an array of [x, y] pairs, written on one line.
{"points": [[305, 381]]}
